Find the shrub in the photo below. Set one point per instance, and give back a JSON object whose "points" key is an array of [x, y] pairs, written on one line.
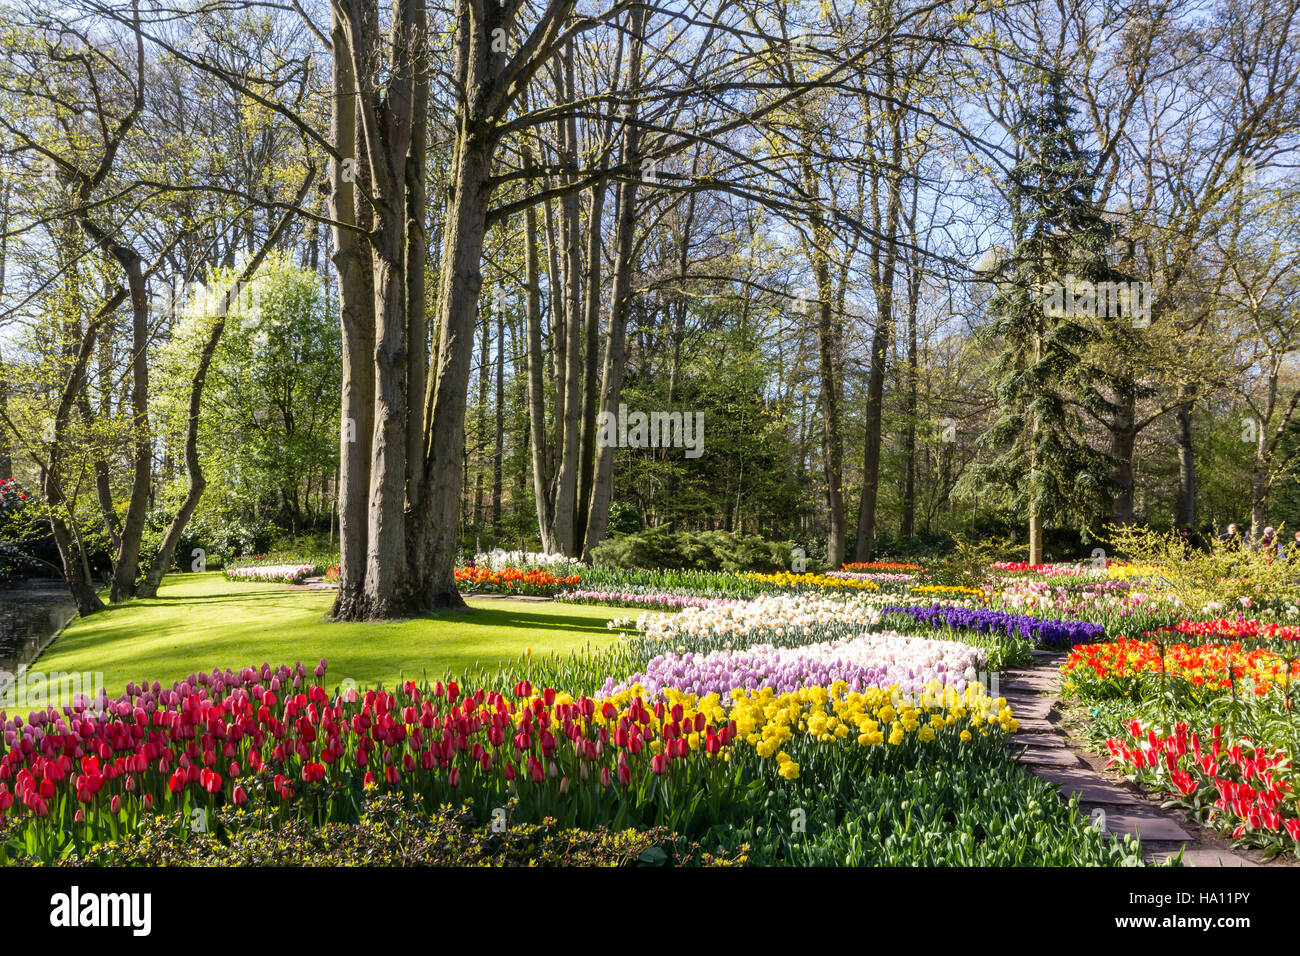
{"points": [[693, 550]]}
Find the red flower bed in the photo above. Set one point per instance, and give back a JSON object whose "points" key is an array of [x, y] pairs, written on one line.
{"points": [[1105, 669], [1251, 792], [266, 737], [1237, 630]]}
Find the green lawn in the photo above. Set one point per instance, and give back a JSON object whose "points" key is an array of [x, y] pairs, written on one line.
{"points": [[201, 621]]}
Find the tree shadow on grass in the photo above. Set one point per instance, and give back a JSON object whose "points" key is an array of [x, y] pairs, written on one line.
{"points": [[520, 618]]}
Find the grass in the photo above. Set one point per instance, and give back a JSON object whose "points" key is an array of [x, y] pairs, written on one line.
{"points": [[201, 621]]}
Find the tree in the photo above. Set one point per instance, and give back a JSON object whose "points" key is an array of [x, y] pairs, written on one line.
{"points": [[1046, 464]]}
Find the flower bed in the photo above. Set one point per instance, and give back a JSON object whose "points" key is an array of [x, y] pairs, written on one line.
{"points": [[527, 561], [881, 566], [1231, 784], [1133, 668], [1048, 570], [870, 661], [512, 581], [785, 620], [1039, 631], [272, 573], [803, 582], [876, 577], [274, 741], [1237, 630], [662, 602]]}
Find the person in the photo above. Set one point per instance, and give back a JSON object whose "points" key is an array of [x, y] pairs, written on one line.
{"points": [[1268, 542], [1230, 535]]}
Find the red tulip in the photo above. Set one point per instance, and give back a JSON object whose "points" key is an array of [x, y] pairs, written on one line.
{"points": [[239, 796]]}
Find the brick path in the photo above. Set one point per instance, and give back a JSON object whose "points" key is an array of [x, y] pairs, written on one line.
{"points": [[1031, 692]]}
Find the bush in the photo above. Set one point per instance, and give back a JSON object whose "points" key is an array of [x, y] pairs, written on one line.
{"points": [[220, 537], [693, 550], [25, 540], [623, 518]]}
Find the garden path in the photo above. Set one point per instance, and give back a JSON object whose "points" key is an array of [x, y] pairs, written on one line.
{"points": [[1121, 808]]}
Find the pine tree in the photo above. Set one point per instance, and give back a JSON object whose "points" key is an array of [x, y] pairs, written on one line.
{"points": [[1045, 464]]}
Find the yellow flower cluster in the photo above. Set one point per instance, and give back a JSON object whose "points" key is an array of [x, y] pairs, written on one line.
{"points": [[789, 579], [1124, 572], [773, 724], [945, 589], [769, 721]]}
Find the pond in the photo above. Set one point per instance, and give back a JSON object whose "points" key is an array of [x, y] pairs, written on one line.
{"points": [[30, 614]]}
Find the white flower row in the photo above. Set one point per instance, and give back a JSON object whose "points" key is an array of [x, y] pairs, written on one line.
{"points": [[272, 573], [777, 615], [525, 560]]}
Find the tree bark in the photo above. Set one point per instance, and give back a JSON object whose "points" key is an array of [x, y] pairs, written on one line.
{"points": [[1186, 460], [620, 307], [566, 477], [591, 364], [356, 320], [1123, 438], [540, 445]]}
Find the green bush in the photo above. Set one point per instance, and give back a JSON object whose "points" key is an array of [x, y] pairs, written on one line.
{"points": [[692, 550]]}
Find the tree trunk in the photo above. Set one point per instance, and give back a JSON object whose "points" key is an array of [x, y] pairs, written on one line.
{"points": [[591, 364], [417, 249], [126, 564], [1186, 461], [1259, 482], [71, 555], [356, 320], [602, 486], [542, 466], [1123, 437], [458, 293], [499, 451]]}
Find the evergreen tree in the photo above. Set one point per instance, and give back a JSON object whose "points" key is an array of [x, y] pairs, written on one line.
{"points": [[1045, 464]]}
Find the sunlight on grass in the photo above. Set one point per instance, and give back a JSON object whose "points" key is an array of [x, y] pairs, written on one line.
{"points": [[201, 621]]}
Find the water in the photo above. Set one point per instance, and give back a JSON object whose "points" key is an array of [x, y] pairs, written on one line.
{"points": [[30, 614]]}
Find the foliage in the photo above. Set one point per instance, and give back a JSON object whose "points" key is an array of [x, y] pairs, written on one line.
{"points": [[664, 548], [391, 831], [1219, 576], [1059, 235]]}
